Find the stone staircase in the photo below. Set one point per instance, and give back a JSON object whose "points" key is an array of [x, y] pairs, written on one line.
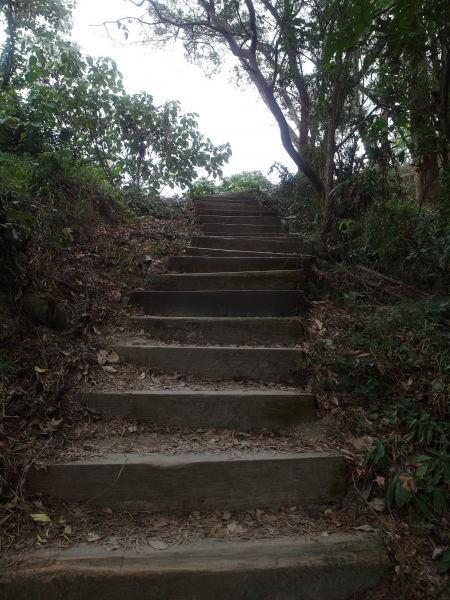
{"points": [[238, 289]]}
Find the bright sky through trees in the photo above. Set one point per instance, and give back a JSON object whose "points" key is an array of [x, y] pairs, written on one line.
{"points": [[226, 113]]}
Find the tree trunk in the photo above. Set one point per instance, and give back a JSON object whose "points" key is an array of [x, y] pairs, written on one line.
{"points": [[328, 204], [425, 179]]}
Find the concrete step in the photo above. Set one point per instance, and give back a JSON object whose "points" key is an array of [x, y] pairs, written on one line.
{"points": [[284, 245], [246, 235], [228, 228], [250, 205], [216, 362], [287, 568], [244, 280], [194, 481], [236, 253], [240, 220], [236, 212], [223, 264], [234, 409], [224, 198], [221, 303], [223, 330]]}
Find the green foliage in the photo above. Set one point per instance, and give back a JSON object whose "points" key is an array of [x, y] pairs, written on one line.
{"points": [[293, 199], [245, 180], [398, 348], [6, 367], [71, 139]]}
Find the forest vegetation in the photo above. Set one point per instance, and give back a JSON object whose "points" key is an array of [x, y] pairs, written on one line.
{"points": [[360, 92]]}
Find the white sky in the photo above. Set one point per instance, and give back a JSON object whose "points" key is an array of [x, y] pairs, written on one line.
{"points": [[226, 113]]}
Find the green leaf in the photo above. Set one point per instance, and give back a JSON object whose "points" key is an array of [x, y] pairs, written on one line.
{"points": [[419, 458]]}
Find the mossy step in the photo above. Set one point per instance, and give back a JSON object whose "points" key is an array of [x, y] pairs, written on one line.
{"points": [[223, 330], [231, 409], [216, 362], [194, 481], [243, 280], [287, 568], [221, 303]]}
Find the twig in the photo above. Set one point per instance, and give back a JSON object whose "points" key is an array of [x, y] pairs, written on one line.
{"points": [[110, 485]]}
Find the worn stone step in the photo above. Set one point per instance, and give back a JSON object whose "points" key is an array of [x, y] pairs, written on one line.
{"points": [[224, 264], [193, 251], [240, 220], [228, 228], [285, 568], [245, 235], [223, 330], [229, 206], [221, 303], [224, 197], [236, 212], [216, 362], [244, 280], [226, 200], [194, 481], [284, 245], [231, 409]]}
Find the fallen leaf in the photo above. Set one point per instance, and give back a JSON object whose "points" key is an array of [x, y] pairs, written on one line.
{"points": [[92, 537], [113, 357], [132, 428], [142, 376], [380, 481], [161, 523], [378, 504], [117, 296], [67, 529], [158, 544], [357, 443], [67, 231], [437, 553], [41, 518], [111, 545], [39, 539], [227, 515], [232, 526], [97, 331], [101, 357], [39, 370], [109, 369], [408, 484], [364, 528]]}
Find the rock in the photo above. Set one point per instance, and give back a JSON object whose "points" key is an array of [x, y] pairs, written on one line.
{"points": [[44, 310]]}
